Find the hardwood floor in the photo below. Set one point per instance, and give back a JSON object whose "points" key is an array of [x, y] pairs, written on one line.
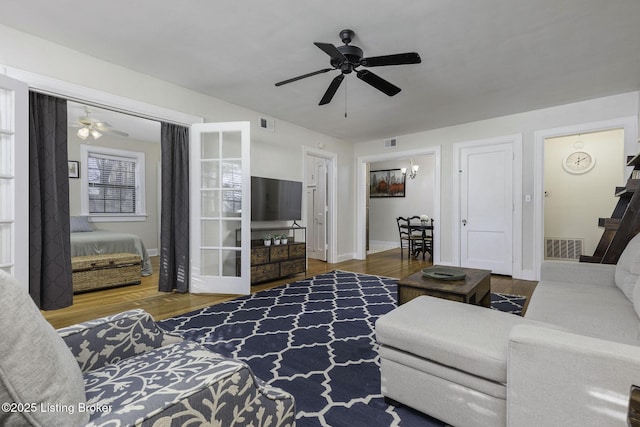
{"points": [[162, 305]]}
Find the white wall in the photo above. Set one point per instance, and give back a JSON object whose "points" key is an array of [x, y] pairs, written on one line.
{"points": [[418, 199], [573, 203], [596, 110], [276, 154]]}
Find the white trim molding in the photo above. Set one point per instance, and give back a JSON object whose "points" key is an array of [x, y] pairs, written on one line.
{"points": [[97, 98], [140, 208]]}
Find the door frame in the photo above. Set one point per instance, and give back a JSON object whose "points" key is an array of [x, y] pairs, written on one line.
{"points": [[332, 197], [630, 127], [73, 92], [361, 194], [516, 142]]}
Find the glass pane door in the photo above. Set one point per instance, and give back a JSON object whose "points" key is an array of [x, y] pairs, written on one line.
{"points": [[220, 208], [14, 179]]}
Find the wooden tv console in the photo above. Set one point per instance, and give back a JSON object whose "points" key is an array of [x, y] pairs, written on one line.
{"points": [[277, 261]]}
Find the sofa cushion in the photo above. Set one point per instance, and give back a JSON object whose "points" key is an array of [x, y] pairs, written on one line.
{"points": [[466, 337], [636, 297], [597, 311], [36, 367], [628, 267]]}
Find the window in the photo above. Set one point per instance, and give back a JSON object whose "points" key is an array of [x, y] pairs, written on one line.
{"points": [[112, 183], [231, 179]]}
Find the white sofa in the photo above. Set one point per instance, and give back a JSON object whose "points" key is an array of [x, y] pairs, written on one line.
{"points": [[570, 361]]}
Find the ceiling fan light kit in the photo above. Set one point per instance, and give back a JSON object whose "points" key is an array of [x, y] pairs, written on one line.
{"points": [[83, 133], [88, 126], [348, 58]]}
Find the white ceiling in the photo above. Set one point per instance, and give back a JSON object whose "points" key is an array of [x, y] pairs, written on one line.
{"points": [[480, 58]]}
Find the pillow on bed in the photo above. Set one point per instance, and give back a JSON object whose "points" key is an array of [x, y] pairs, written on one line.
{"points": [[80, 223]]}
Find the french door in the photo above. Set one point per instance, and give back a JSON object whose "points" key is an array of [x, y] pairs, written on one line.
{"points": [[220, 208], [14, 179]]}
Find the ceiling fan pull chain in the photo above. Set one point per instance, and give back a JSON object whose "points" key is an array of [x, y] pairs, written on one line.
{"points": [[345, 99]]}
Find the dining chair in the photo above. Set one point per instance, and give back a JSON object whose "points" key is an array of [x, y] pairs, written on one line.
{"points": [[411, 236]]}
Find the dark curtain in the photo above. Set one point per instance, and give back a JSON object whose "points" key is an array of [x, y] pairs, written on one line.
{"points": [[50, 282], [174, 221]]}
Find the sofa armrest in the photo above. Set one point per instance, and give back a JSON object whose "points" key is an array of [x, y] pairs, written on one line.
{"points": [[109, 339], [560, 378], [185, 384], [578, 272]]}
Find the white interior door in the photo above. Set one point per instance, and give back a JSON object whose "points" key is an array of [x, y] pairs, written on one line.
{"points": [[14, 179], [486, 208], [320, 213], [317, 206], [220, 208]]}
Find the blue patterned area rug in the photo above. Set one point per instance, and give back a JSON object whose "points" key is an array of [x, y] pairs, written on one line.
{"points": [[315, 339]]}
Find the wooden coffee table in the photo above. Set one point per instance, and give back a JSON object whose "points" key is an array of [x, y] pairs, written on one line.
{"points": [[475, 288]]}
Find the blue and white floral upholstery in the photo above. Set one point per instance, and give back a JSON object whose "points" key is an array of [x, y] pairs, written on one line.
{"points": [[113, 338], [135, 374]]}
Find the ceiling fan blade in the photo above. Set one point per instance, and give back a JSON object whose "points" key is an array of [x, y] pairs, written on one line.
{"points": [[114, 132], [378, 82], [304, 76], [102, 125], [332, 51], [333, 87], [397, 59]]}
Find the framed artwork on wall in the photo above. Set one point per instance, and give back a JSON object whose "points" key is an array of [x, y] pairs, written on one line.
{"points": [[74, 169], [387, 183]]}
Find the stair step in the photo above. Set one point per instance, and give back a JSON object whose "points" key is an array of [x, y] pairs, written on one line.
{"points": [[592, 259], [629, 189], [609, 223]]}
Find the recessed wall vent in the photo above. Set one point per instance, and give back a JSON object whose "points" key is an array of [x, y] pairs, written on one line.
{"points": [[563, 249], [268, 124], [390, 143]]}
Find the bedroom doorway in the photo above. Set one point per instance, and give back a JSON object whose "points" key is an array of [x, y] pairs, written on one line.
{"points": [[102, 142]]}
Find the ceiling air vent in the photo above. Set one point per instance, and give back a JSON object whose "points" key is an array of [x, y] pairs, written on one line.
{"points": [[390, 143], [268, 124]]}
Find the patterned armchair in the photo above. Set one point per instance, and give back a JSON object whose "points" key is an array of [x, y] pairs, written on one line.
{"points": [[146, 377], [122, 370]]}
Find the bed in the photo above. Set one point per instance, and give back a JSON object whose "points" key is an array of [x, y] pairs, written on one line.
{"points": [[98, 242]]}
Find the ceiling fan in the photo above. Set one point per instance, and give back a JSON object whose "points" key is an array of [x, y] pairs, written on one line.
{"points": [[89, 126], [348, 58]]}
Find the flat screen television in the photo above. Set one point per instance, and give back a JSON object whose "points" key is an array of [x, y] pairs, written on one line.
{"points": [[275, 199]]}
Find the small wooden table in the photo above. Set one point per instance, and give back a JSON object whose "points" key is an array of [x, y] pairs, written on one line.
{"points": [[475, 288]]}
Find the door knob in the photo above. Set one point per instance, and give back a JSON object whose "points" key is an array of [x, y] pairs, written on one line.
{"points": [[464, 222]]}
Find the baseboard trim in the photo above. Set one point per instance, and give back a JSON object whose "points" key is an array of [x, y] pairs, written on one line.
{"points": [[346, 257]]}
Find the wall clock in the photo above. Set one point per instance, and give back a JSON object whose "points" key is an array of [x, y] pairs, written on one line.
{"points": [[578, 162]]}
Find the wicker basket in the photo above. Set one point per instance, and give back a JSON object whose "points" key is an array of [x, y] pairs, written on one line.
{"points": [[105, 271]]}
